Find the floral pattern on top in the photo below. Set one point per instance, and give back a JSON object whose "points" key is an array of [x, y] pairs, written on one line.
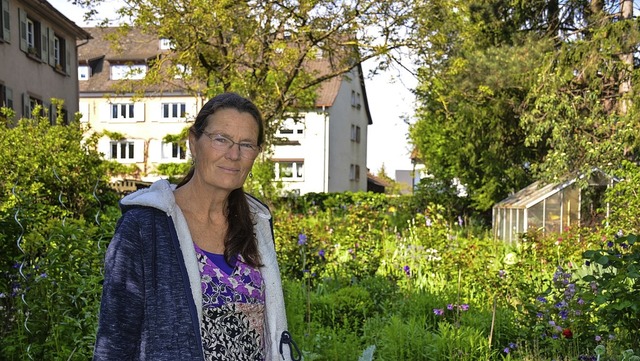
{"points": [[233, 311]]}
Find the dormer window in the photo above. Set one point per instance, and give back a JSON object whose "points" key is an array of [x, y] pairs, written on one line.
{"points": [[84, 72], [165, 44], [131, 72]]}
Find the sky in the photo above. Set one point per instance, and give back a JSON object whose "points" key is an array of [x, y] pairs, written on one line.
{"points": [[388, 93]]}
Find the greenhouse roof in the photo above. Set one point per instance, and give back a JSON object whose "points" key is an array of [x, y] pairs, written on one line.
{"points": [[537, 191], [531, 194]]}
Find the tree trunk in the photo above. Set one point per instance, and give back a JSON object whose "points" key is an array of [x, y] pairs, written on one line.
{"points": [[626, 15]]}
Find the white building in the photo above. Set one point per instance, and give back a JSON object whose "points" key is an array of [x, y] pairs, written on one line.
{"points": [[323, 150], [38, 57]]}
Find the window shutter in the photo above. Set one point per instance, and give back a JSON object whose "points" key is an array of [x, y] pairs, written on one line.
{"points": [[52, 55], [26, 107], [84, 110], [138, 110], [44, 45], [6, 21], [138, 155], [67, 52], [156, 151], [23, 30], [8, 101]]}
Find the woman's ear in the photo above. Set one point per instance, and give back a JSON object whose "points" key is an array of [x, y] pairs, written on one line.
{"points": [[192, 145]]}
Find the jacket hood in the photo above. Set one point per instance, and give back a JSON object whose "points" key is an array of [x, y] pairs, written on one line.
{"points": [[160, 196]]}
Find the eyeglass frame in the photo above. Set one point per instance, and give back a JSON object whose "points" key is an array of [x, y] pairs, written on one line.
{"points": [[241, 145]]}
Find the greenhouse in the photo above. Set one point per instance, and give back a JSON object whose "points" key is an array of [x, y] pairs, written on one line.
{"points": [[551, 208]]}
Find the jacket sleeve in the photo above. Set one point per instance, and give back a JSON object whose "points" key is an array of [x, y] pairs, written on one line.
{"points": [[122, 306]]}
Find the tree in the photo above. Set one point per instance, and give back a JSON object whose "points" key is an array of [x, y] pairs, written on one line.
{"points": [[474, 78], [582, 104], [56, 216], [268, 50], [513, 91]]}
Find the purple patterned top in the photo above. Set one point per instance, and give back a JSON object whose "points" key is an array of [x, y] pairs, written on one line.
{"points": [[232, 310]]}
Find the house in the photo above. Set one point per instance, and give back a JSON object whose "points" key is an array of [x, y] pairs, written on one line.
{"points": [[38, 53], [321, 150], [550, 208]]}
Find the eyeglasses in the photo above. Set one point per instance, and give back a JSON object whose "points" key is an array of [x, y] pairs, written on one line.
{"points": [[223, 144]]}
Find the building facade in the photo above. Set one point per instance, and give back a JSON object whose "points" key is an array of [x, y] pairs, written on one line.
{"points": [[38, 57], [321, 150]]}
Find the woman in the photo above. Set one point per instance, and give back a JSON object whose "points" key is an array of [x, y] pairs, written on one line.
{"points": [[191, 272]]}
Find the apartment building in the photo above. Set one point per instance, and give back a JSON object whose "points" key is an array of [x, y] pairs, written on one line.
{"points": [[38, 57], [322, 150]]}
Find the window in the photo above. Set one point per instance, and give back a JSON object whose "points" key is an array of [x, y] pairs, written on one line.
{"points": [[53, 115], [290, 170], [354, 173], [30, 34], [5, 19], [132, 72], [29, 104], [84, 72], [6, 97], [355, 99], [122, 150], [33, 40], [173, 110], [58, 54], [355, 133], [175, 150], [122, 111], [125, 111], [291, 129], [165, 44]]}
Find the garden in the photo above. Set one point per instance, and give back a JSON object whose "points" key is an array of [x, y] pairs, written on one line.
{"points": [[366, 276]]}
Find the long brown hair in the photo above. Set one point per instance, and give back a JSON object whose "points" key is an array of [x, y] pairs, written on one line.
{"points": [[240, 238]]}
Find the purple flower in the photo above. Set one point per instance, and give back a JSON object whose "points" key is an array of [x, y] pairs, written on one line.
{"points": [[450, 307], [580, 301], [464, 307], [563, 314], [541, 299], [512, 345], [302, 239], [501, 273], [540, 315], [598, 338], [552, 323], [321, 253], [609, 244], [460, 221], [506, 350], [587, 263], [438, 311], [407, 270]]}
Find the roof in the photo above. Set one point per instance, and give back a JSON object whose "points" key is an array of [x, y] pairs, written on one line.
{"points": [[52, 14], [139, 47]]}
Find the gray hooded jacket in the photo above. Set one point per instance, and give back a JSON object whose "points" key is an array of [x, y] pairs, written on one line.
{"points": [[151, 305]]}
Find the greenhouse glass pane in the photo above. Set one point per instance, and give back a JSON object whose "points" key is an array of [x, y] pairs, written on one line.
{"points": [[535, 216], [520, 221], [553, 209], [571, 206]]}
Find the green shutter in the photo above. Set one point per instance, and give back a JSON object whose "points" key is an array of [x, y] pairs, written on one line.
{"points": [[52, 55], [44, 44], [67, 51], [8, 98], [23, 30], [26, 106], [6, 21]]}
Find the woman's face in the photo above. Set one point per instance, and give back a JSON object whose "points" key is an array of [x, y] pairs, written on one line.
{"points": [[217, 162]]}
